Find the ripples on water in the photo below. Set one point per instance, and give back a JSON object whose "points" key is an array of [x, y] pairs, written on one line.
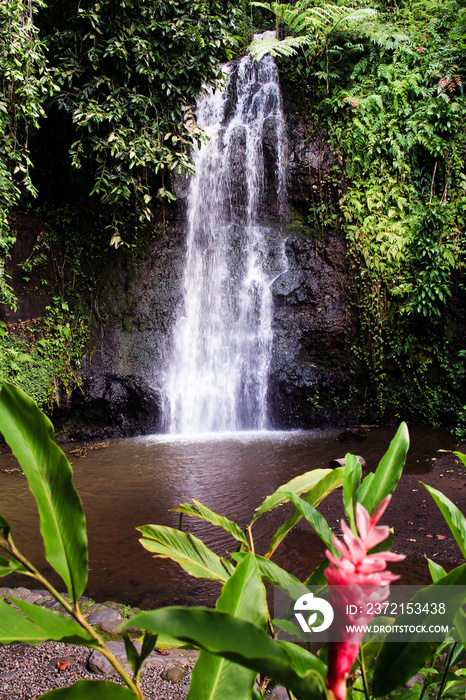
{"points": [[135, 482]]}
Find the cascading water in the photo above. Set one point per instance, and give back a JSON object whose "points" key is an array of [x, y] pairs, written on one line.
{"points": [[222, 339]]}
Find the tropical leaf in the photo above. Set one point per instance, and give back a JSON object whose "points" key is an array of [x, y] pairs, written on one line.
{"points": [[5, 526], [10, 566], [453, 516], [31, 437], [291, 628], [317, 19], [436, 570], [317, 521], [351, 483], [462, 457], [385, 479], [329, 17], [269, 45], [136, 658], [187, 550], [243, 643], [372, 641], [332, 480], [460, 624], [33, 625], [273, 573], [204, 513], [91, 690], [300, 484], [317, 577], [399, 661], [217, 678]]}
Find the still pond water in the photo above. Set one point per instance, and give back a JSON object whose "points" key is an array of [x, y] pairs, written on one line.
{"points": [[135, 482]]}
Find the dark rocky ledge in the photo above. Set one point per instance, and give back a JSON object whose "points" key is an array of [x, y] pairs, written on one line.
{"points": [[110, 406]]}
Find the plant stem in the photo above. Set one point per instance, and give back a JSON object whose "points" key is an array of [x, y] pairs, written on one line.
{"points": [[251, 541], [77, 615], [363, 672], [447, 668]]}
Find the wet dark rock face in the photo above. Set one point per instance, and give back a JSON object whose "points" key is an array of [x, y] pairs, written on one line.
{"points": [[307, 377], [123, 376], [110, 406]]}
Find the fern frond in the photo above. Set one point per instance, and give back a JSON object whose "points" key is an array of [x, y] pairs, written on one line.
{"points": [[269, 45], [264, 5]]}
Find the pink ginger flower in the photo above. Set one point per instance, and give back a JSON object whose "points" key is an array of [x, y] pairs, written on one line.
{"points": [[368, 581]]}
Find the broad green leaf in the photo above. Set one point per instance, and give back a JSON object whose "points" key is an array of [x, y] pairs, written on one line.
{"points": [[436, 570], [411, 694], [300, 484], [164, 641], [460, 624], [243, 596], [241, 642], [201, 511], [5, 526], [9, 566], [39, 625], [351, 483], [132, 653], [91, 690], [318, 578], [314, 496], [316, 520], [462, 457], [273, 573], [31, 437], [453, 516], [148, 643], [372, 642], [399, 661], [187, 550], [291, 628], [364, 488], [388, 472]]}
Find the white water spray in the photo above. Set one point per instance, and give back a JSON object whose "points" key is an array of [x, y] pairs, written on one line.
{"points": [[222, 338]]}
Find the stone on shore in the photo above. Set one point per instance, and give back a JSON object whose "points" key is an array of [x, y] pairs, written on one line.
{"points": [[176, 658]]}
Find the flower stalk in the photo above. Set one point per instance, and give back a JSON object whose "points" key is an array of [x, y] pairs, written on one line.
{"points": [[356, 578]]}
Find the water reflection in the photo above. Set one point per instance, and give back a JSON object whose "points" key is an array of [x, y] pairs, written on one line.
{"points": [[136, 481]]}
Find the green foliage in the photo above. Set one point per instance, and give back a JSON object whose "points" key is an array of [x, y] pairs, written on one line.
{"points": [[241, 642], [128, 87], [43, 357], [33, 625], [453, 517], [30, 435], [188, 551], [311, 26], [243, 595], [399, 122], [91, 690], [97, 99], [391, 93], [399, 661], [234, 642], [26, 81], [382, 483]]}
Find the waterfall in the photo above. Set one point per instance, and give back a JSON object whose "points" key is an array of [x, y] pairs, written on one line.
{"points": [[222, 337]]}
